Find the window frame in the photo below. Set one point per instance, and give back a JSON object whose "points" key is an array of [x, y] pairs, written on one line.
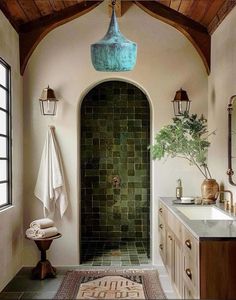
{"points": [[8, 134]]}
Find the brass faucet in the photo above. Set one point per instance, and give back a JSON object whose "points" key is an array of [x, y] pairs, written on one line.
{"points": [[116, 182], [228, 204]]}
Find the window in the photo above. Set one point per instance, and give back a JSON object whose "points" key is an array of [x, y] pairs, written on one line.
{"points": [[5, 135]]}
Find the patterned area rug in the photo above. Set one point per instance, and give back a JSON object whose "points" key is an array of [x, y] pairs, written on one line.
{"points": [[108, 284]]}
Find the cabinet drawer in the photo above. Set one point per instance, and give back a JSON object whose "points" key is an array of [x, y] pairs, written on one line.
{"points": [[190, 272], [175, 225], [190, 244]]}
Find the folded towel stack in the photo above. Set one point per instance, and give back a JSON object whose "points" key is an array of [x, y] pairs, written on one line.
{"points": [[42, 223], [41, 228]]}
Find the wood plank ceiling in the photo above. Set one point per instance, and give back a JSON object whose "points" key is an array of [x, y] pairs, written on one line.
{"points": [[197, 19]]}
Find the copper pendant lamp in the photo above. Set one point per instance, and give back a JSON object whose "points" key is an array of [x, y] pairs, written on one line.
{"points": [[114, 52]]}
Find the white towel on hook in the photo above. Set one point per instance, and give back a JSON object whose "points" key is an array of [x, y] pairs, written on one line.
{"points": [[50, 187]]}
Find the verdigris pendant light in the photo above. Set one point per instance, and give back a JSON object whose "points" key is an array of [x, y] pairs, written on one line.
{"points": [[114, 53]]}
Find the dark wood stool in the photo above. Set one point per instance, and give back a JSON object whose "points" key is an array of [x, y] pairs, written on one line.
{"points": [[44, 269]]}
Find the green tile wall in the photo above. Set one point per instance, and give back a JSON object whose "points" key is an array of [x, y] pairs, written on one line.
{"points": [[115, 134]]}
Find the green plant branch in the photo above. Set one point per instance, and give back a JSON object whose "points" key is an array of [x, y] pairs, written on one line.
{"points": [[194, 163], [187, 137], [208, 171]]}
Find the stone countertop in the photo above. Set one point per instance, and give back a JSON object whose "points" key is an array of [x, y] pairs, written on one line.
{"points": [[203, 229]]}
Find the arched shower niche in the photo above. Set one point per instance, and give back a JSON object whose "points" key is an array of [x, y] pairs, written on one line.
{"points": [[115, 175]]}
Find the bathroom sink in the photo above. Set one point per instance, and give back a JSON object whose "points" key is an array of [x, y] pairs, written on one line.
{"points": [[204, 213]]}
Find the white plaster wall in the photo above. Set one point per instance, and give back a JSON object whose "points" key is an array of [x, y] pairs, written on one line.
{"points": [[221, 87], [11, 219], [166, 61]]}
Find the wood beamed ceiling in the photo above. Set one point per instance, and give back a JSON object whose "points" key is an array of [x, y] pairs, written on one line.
{"points": [[196, 19]]}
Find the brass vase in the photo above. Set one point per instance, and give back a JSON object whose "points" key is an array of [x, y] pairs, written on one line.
{"points": [[209, 188]]}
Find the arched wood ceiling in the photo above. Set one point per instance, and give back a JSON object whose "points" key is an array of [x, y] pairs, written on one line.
{"points": [[194, 31], [196, 19]]}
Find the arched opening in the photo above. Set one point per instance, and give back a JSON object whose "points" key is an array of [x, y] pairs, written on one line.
{"points": [[115, 175]]}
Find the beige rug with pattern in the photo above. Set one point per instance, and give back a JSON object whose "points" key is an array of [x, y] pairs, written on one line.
{"points": [[111, 284]]}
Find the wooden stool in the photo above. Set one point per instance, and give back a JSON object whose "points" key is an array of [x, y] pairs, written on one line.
{"points": [[44, 269]]}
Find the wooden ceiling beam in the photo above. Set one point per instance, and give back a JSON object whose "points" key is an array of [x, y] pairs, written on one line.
{"points": [[221, 14], [121, 6], [31, 33], [57, 5], [165, 13], [66, 14], [4, 9], [195, 32], [118, 8], [175, 4], [31, 11]]}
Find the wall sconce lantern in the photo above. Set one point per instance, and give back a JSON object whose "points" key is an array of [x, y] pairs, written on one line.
{"points": [[181, 103], [48, 102]]}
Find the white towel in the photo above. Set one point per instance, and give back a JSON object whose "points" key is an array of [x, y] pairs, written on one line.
{"points": [[50, 187], [46, 232], [31, 232], [42, 223], [41, 233]]}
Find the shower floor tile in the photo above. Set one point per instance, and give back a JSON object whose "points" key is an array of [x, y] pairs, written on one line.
{"points": [[103, 253]]}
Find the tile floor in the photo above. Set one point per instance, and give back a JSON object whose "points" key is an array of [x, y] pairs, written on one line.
{"points": [[97, 253], [23, 287]]}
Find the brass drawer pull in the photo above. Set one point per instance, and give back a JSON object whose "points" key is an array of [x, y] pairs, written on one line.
{"points": [[189, 273], [160, 210], [188, 244], [169, 236], [161, 246], [161, 226]]}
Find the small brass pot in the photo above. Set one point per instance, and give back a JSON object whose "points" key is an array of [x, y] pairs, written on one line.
{"points": [[209, 189]]}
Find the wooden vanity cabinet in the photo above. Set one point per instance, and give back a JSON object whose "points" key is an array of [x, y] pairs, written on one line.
{"points": [[198, 270], [170, 246], [179, 252]]}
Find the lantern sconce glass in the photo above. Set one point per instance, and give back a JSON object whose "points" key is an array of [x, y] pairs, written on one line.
{"points": [[48, 102], [181, 103]]}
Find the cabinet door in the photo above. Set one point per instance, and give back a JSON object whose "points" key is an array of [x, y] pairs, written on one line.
{"points": [[170, 253], [178, 269], [162, 246], [187, 292]]}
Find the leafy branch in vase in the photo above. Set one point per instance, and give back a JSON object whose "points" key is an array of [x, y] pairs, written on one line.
{"points": [[187, 138]]}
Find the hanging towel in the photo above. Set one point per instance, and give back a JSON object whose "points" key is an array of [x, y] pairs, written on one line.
{"points": [[42, 223], [50, 187]]}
